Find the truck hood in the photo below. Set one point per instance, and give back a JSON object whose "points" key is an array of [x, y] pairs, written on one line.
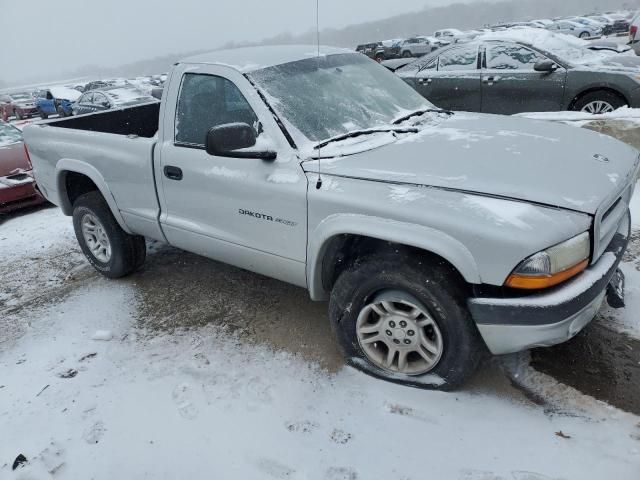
{"points": [[530, 160]]}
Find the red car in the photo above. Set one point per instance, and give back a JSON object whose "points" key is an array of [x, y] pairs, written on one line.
{"points": [[19, 105], [17, 187]]}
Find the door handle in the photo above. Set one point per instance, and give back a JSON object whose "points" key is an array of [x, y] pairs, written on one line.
{"points": [[173, 173], [491, 80], [422, 81]]}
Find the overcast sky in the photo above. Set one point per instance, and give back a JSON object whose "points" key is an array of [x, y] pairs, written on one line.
{"points": [[57, 36]]}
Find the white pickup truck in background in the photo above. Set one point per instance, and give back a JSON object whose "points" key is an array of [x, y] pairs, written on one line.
{"points": [[437, 236]]}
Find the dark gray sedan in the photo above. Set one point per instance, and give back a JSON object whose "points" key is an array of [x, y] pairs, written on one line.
{"points": [[526, 71], [110, 97]]}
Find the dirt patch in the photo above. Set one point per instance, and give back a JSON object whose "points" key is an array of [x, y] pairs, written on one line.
{"points": [[178, 290], [599, 362]]}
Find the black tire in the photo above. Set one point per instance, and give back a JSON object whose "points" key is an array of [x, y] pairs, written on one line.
{"points": [[584, 35], [128, 252], [43, 115], [616, 101], [61, 112], [18, 115], [437, 288], [406, 54], [379, 58]]}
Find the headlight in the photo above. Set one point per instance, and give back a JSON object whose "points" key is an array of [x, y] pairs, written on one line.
{"points": [[553, 265]]}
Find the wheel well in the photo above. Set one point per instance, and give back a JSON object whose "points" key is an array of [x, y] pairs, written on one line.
{"points": [[345, 250], [597, 89], [77, 184]]}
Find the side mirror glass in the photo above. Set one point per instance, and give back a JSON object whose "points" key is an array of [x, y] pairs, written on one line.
{"points": [[547, 66], [234, 140]]}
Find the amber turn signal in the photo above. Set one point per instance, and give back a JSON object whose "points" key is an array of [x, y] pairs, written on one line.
{"points": [[527, 282]]}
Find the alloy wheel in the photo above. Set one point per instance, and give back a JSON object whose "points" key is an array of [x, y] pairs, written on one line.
{"points": [[399, 335]]}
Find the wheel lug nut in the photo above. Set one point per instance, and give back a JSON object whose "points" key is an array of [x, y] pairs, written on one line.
{"points": [[407, 341], [411, 333], [392, 324], [395, 340], [388, 332], [403, 324]]}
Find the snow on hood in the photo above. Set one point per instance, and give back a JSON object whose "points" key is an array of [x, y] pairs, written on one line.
{"points": [[64, 93], [509, 157]]}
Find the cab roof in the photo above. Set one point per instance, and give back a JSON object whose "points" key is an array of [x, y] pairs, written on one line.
{"points": [[250, 59]]}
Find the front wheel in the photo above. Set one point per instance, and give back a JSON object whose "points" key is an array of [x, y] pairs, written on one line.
{"points": [[43, 115], [584, 35], [406, 321], [110, 250], [61, 112], [599, 102], [18, 114], [406, 54]]}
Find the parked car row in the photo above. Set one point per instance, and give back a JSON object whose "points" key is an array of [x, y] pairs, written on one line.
{"points": [[64, 100], [585, 27]]}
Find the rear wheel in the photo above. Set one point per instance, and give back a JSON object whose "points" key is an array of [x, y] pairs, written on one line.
{"points": [[406, 54], [109, 249], [599, 102], [61, 112], [406, 321]]}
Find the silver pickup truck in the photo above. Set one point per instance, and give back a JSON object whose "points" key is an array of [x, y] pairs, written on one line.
{"points": [[435, 236]]}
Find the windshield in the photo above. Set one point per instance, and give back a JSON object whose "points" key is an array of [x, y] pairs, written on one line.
{"points": [[21, 96], [333, 95], [9, 134]]}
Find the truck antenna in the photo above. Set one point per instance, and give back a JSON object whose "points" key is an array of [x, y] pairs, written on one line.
{"points": [[319, 182]]}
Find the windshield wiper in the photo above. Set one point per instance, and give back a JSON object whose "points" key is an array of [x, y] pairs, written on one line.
{"points": [[417, 113], [358, 133]]}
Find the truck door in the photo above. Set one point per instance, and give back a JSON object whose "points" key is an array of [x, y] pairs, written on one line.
{"points": [[248, 212]]}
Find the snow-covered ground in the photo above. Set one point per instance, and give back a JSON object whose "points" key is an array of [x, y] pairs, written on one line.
{"points": [[86, 393]]}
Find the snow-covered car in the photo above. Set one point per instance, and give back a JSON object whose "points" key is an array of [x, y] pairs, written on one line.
{"points": [[56, 100], [434, 235], [448, 33], [419, 46], [110, 97], [575, 29], [17, 187], [533, 70], [19, 105]]}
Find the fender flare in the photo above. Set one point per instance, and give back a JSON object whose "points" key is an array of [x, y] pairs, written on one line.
{"points": [[418, 236], [77, 166]]}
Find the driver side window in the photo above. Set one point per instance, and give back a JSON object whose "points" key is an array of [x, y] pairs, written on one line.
{"points": [[512, 57], [207, 101]]}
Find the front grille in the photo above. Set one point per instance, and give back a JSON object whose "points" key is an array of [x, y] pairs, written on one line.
{"points": [[608, 220]]}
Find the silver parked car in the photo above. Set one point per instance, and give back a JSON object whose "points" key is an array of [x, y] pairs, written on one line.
{"points": [[569, 27], [431, 238]]}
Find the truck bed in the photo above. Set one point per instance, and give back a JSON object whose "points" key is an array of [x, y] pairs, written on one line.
{"points": [[114, 149], [141, 120]]}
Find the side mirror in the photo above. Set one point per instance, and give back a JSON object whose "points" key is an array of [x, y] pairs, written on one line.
{"points": [[546, 66], [233, 140], [157, 92]]}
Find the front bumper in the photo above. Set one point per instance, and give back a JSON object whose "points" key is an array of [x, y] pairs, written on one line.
{"points": [[510, 325]]}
